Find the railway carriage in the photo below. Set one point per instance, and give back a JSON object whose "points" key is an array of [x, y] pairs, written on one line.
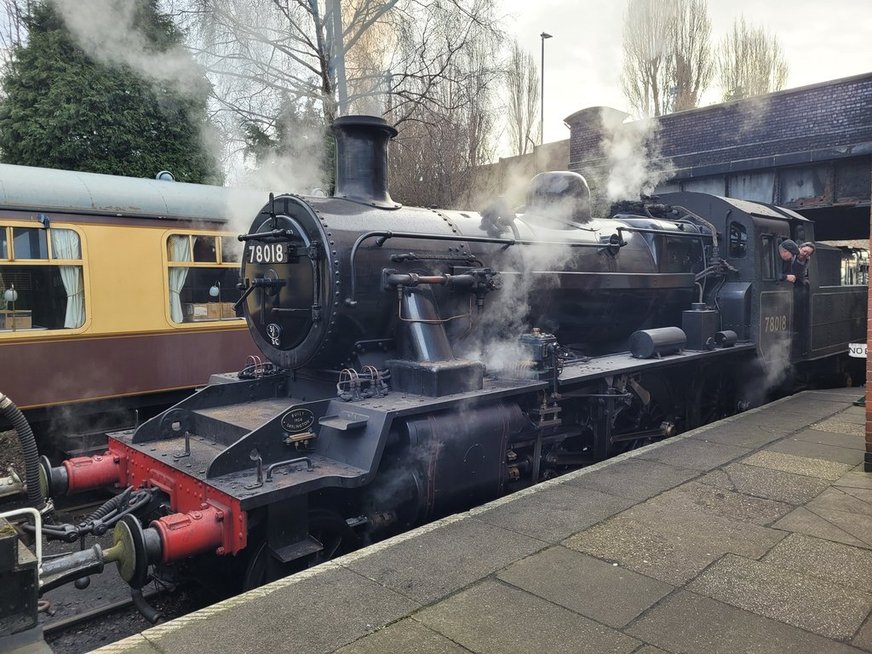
{"points": [[115, 294]]}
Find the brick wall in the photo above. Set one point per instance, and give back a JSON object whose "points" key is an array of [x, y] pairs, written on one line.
{"points": [[835, 114]]}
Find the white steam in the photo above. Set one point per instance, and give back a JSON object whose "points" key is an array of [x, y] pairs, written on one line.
{"points": [[105, 30], [632, 152], [526, 270]]}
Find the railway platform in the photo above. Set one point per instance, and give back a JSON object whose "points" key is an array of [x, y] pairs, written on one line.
{"points": [[752, 534]]}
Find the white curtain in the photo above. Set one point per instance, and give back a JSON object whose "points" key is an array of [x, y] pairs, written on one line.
{"points": [[65, 245], [180, 250]]}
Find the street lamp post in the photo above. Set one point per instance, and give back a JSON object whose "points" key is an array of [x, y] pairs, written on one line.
{"points": [[544, 36]]}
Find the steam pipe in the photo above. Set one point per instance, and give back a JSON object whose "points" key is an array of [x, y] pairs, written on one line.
{"points": [[714, 232], [35, 496]]}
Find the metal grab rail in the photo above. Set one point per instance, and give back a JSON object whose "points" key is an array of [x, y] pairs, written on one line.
{"points": [[383, 236]]}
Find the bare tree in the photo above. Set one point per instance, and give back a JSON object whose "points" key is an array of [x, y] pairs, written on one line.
{"points": [[522, 85], [451, 134], [261, 53], [750, 62], [692, 60], [667, 54], [13, 31]]}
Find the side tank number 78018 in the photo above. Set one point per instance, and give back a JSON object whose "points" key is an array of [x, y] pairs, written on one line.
{"points": [[266, 253], [775, 323]]}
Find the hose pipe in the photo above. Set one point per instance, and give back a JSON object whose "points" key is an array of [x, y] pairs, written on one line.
{"points": [[35, 495]]}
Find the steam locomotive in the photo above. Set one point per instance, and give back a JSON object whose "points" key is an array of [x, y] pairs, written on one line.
{"points": [[419, 360]]}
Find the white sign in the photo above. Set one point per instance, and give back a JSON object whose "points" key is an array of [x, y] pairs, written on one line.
{"points": [[857, 350]]}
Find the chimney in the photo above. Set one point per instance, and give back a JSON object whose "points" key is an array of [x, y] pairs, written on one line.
{"points": [[362, 160]]}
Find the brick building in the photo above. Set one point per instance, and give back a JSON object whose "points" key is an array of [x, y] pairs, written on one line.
{"points": [[808, 148]]}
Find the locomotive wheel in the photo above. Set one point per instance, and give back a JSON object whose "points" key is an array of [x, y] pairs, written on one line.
{"points": [[658, 411], [325, 526], [713, 397]]}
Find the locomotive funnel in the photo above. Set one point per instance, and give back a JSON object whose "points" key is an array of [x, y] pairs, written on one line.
{"points": [[362, 160]]}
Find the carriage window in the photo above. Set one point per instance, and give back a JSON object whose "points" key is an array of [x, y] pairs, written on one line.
{"points": [[767, 253], [231, 249], [738, 240], [37, 291], [202, 281], [205, 249], [29, 243], [855, 267]]}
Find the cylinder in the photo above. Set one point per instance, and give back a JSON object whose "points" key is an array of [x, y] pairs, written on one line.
{"points": [[726, 338], [647, 343]]}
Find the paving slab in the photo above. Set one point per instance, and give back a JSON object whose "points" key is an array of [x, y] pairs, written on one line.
{"points": [[781, 424], [554, 513], [841, 564], [694, 454], [840, 508], [693, 624], [671, 546], [317, 612], [810, 603], [494, 617], [635, 478], [854, 415], [864, 636], [453, 556], [602, 591], [854, 479], [837, 434], [767, 483], [841, 394], [404, 637], [696, 496], [804, 521], [843, 424], [845, 500], [809, 450], [799, 465], [740, 434]]}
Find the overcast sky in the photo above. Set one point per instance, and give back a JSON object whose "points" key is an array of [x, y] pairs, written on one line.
{"points": [[822, 40]]}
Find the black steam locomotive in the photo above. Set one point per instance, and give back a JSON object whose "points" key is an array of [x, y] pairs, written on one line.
{"points": [[420, 360]]}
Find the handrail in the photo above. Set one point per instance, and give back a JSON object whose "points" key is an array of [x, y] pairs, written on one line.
{"points": [[384, 236]]}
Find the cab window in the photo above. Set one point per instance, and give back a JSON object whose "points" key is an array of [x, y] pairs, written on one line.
{"points": [[41, 279], [738, 240], [767, 253], [201, 277]]}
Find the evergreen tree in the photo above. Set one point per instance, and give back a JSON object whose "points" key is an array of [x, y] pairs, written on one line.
{"points": [[63, 109]]}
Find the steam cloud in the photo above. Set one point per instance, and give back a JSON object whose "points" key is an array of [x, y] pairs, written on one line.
{"points": [[506, 314], [632, 151], [105, 30]]}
